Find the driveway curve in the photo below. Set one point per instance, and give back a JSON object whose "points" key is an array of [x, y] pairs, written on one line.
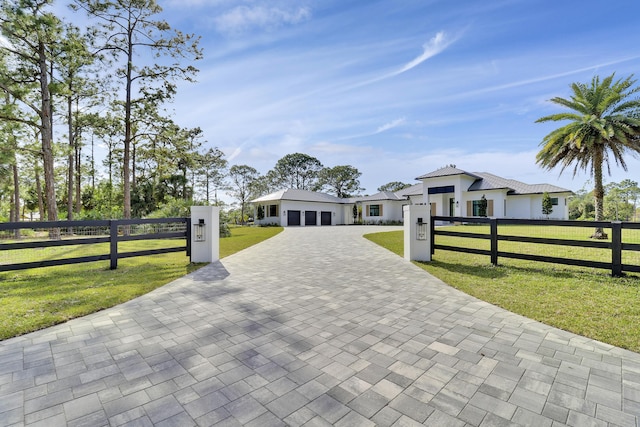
{"points": [[315, 326]]}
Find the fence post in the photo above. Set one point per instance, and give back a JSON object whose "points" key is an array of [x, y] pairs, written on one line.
{"points": [[616, 248], [494, 240], [113, 244], [188, 222], [432, 229]]}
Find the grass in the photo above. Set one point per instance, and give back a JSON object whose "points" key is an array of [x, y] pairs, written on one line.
{"points": [[552, 232], [585, 301], [38, 298]]}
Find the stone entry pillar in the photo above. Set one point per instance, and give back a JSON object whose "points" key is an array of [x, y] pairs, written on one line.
{"points": [[417, 234], [205, 233]]}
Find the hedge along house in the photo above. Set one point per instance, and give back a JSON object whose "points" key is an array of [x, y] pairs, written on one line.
{"points": [[454, 192]]}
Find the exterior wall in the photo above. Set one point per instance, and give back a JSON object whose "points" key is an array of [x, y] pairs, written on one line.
{"points": [[527, 206], [347, 214], [460, 184], [439, 203], [415, 200], [337, 211], [268, 220], [495, 198], [530, 206], [519, 207], [391, 210]]}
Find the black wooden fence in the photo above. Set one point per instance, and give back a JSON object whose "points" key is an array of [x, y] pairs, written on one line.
{"points": [[102, 231], [615, 245]]}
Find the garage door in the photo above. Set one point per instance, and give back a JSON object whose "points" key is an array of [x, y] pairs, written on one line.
{"points": [[310, 218], [325, 218], [293, 217]]}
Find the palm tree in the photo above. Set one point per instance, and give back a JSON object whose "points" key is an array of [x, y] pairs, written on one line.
{"points": [[605, 122]]}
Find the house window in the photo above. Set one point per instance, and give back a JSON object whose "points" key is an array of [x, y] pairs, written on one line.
{"points": [[554, 201], [374, 210], [273, 210], [441, 190], [473, 207], [476, 208]]}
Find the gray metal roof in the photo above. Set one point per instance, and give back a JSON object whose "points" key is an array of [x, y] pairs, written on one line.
{"points": [[488, 181], [310, 196], [383, 195], [299, 195], [414, 190], [446, 171]]}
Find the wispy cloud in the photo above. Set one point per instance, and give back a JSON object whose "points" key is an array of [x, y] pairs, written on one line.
{"points": [[390, 125], [242, 19], [430, 49], [433, 47], [380, 129], [540, 79]]}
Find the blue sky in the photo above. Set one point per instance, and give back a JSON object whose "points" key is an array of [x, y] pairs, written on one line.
{"points": [[398, 88]]}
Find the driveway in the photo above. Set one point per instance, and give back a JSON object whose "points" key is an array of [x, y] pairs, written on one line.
{"points": [[315, 327]]}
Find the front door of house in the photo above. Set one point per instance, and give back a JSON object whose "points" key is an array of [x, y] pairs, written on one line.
{"points": [[452, 206]]}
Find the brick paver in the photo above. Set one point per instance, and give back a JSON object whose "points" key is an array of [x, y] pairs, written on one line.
{"points": [[316, 326]]}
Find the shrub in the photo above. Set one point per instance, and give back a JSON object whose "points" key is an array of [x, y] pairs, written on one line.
{"points": [[225, 231]]}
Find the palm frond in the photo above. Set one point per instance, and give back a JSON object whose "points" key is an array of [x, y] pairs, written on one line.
{"points": [[558, 117]]}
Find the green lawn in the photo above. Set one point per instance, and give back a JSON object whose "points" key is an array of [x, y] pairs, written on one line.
{"points": [[38, 298], [586, 301]]}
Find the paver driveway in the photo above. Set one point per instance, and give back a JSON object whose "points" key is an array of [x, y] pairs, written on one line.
{"points": [[316, 326]]}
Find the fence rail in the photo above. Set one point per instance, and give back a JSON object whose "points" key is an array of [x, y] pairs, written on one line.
{"points": [[108, 231], [615, 245]]}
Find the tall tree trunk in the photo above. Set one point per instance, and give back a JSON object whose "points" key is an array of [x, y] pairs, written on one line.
{"points": [[93, 166], [126, 167], [133, 166], [78, 156], [12, 210], [598, 194], [70, 161], [46, 135], [39, 193], [16, 197], [110, 161], [184, 184]]}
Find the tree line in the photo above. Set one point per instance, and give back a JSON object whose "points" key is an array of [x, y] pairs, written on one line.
{"points": [[620, 202], [68, 90], [296, 171], [71, 92]]}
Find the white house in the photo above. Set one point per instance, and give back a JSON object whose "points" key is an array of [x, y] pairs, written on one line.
{"points": [[454, 192], [302, 207], [449, 191], [383, 207]]}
